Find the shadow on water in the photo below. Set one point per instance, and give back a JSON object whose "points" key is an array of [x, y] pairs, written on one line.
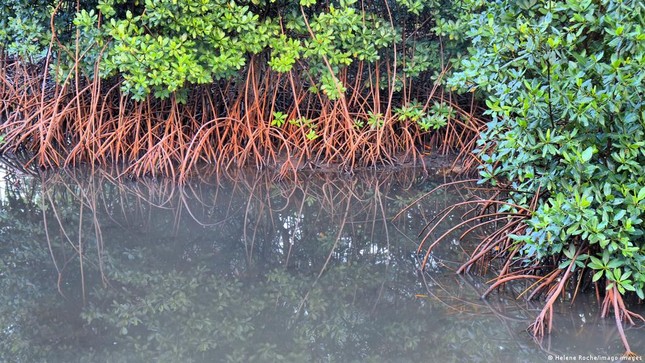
{"points": [[249, 269]]}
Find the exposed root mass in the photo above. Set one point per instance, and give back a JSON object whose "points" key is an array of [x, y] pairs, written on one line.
{"points": [[267, 119]]}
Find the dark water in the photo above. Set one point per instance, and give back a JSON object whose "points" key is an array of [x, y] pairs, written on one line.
{"points": [[249, 269]]}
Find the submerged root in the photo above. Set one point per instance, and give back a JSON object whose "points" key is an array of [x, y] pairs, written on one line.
{"points": [[544, 321], [614, 301]]}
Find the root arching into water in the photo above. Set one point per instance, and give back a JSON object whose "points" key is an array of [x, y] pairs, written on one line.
{"points": [[548, 279]]}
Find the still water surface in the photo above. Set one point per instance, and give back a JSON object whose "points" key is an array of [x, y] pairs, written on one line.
{"points": [[246, 268]]}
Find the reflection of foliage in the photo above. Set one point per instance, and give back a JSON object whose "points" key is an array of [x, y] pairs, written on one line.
{"points": [[171, 315], [167, 316], [247, 271]]}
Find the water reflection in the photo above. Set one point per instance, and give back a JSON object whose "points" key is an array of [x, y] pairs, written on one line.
{"points": [[245, 268]]}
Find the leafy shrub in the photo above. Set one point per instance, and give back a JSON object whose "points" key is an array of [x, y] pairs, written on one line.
{"points": [[23, 29], [167, 46], [563, 82]]}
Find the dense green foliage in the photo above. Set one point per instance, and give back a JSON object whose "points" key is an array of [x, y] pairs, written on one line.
{"points": [[162, 47], [563, 82]]}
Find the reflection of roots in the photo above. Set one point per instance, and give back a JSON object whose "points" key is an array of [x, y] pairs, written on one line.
{"points": [[241, 202]]}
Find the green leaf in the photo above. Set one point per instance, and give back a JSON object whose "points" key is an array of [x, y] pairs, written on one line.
{"points": [[597, 275], [586, 155], [564, 264], [641, 194], [620, 215]]}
